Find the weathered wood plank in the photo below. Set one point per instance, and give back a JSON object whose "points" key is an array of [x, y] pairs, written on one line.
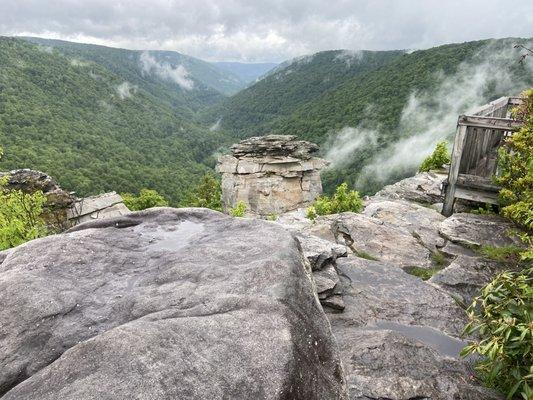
{"points": [[449, 199], [507, 124], [476, 195], [477, 182]]}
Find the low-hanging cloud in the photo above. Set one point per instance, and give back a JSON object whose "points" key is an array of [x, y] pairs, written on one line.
{"points": [[125, 90], [164, 70], [341, 145], [431, 117]]}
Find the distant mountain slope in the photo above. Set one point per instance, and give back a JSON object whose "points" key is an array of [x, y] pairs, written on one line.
{"points": [[81, 123], [247, 72], [377, 125], [169, 67], [290, 85]]}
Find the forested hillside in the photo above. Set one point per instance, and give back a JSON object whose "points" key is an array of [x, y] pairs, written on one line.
{"points": [[94, 131], [169, 69], [376, 123], [290, 85]]}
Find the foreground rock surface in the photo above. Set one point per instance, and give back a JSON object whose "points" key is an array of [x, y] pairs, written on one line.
{"points": [[164, 304]]}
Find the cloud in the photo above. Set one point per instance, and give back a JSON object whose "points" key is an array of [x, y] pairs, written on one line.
{"points": [[164, 70], [341, 145], [428, 118], [216, 126], [125, 90], [266, 30]]}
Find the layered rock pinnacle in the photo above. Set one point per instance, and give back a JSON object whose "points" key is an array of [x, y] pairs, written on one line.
{"points": [[271, 174]]}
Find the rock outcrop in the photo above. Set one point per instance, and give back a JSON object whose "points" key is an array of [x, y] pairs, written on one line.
{"points": [[271, 174], [164, 304], [107, 205], [58, 201]]}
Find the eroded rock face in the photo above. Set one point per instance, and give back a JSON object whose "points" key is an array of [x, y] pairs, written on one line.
{"points": [[164, 304], [271, 175], [424, 187]]}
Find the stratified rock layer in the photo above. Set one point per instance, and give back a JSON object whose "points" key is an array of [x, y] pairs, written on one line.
{"points": [[164, 304], [271, 175]]}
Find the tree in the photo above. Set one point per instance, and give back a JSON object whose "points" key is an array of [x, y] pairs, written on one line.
{"points": [[437, 159], [147, 198], [20, 215], [207, 194]]}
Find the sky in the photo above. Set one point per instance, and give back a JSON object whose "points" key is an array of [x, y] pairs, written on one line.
{"points": [[266, 30]]}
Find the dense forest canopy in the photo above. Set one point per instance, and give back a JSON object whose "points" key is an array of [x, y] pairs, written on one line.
{"points": [[101, 119]]}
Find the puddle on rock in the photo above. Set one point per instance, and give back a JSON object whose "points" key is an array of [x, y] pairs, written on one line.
{"points": [[173, 238], [445, 344]]}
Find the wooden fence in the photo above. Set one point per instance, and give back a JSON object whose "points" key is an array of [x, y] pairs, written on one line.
{"points": [[475, 153]]}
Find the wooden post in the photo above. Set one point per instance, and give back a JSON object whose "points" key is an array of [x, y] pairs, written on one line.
{"points": [[449, 198]]}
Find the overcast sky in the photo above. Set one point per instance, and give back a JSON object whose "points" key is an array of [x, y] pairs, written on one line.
{"points": [[267, 30]]}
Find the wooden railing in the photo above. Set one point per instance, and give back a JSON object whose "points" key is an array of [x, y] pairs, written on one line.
{"points": [[475, 153]]}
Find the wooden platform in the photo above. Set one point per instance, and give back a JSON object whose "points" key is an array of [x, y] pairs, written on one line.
{"points": [[475, 153]]}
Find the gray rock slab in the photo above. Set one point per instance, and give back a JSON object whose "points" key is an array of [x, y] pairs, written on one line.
{"points": [[164, 304]]}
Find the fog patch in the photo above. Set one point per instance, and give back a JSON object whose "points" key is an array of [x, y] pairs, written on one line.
{"points": [[216, 126], [341, 146], [428, 118], [125, 90], [164, 70], [349, 57], [76, 62]]}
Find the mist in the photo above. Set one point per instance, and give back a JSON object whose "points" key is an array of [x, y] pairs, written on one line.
{"points": [[430, 117], [166, 71], [125, 90]]}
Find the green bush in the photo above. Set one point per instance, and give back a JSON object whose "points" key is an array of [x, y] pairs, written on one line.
{"points": [[206, 194], [239, 210], [437, 159], [147, 198], [20, 216], [516, 173], [342, 200], [502, 319]]}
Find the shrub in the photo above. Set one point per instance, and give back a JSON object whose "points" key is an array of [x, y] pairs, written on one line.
{"points": [[437, 159], [207, 194], [20, 216], [147, 198], [502, 319], [239, 210], [516, 172], [342, 200]]}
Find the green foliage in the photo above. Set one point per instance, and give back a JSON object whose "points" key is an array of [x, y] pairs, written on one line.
{"points": [[20, 216], [322, 95], [365, 255], [439, 259], [437, 159], [207, 194], [422, 273], [147, 198], [239, 210], [69, 120], [508, 254], [502, 320], [516, 172], [342, 200]]}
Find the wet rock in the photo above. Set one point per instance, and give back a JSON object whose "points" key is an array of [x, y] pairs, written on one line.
{"points": [[466, 276], [384, 364], [479, 230], [422, 222], [326, 280], [368, 236], [399, 336], [453, 250], [166, 304]]}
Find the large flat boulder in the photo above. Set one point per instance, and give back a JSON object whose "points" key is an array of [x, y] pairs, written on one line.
{"points": [[420, 221], [164, 304], [399, 337], [479, 230], [424, 187], [372, 237]]}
